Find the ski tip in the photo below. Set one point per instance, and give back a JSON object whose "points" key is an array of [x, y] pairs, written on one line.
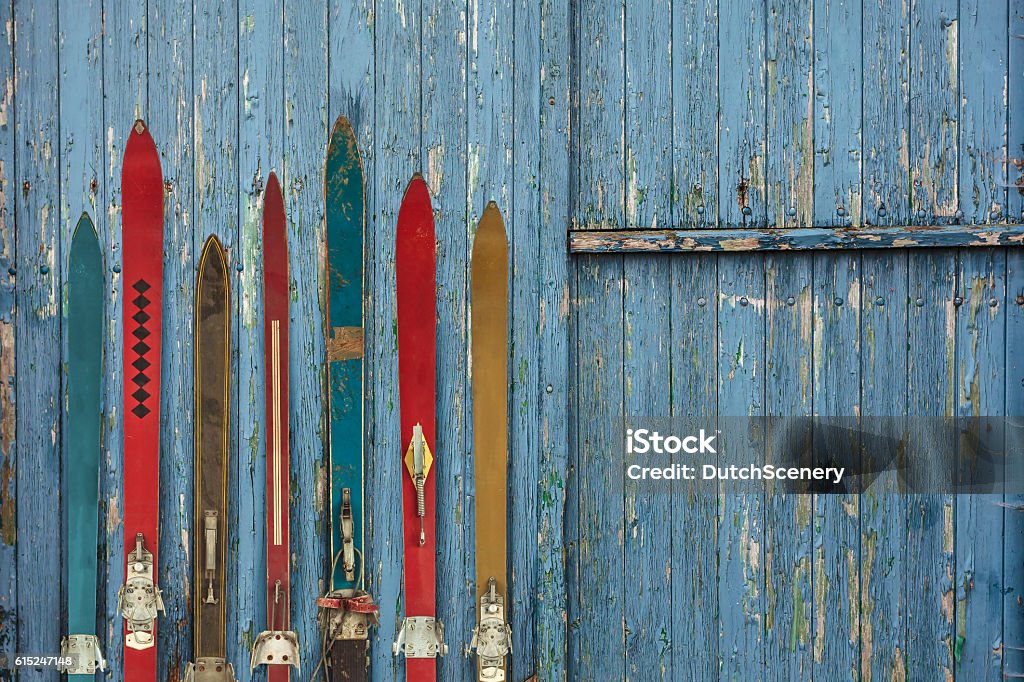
{"points": [[416, 189], [84, 226], [139, 127], [273, 186], [342, 126]]}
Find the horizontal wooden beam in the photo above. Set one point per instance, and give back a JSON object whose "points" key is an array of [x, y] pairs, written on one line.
{"points": [[794, 239]]}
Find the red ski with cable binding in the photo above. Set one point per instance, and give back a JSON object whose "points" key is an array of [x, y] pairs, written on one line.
{"points": [[276, 647], [142, 234], [421, 637]]}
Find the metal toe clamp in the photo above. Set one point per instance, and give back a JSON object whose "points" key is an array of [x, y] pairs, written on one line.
{"points": [[275, 647], [420, 637], [209, 669], [84, 651], [346, 615], [139, 598], [492, 639]]}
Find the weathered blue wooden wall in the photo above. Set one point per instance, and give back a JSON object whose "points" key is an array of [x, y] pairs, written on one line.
{"points": [[586, 114], [779, 114]]}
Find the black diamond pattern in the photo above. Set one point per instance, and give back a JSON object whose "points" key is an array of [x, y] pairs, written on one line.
{"points": [[141, 317]]}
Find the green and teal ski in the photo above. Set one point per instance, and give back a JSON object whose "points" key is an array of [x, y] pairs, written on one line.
{"points": [[347, 611], [82, 458]]}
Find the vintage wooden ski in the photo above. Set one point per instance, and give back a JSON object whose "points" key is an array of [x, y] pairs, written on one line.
{"points": [[421, 637], [347, 611], [277, 647], [85, 321], [142, 238], [212, 392], [492, 636]]}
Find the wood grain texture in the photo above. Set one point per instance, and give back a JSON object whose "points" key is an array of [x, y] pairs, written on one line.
{"points": [[398, 134], [8, 319], [554, 349], [818, 238], [646, 337], [260, 106], [174, 129], [304, 147], [454, 125], [1013, 605], [37, 335]]}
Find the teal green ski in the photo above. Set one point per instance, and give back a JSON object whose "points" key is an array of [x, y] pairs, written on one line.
{"points": [[82, 448], [346, 611]]}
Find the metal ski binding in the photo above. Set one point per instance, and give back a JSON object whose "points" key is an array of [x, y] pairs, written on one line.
{"points": [[420, 637], [346, 615], [84, 650], [209, 669], [492, 639], [419, 476], [139, 598], [348, 548], [275, 647]]}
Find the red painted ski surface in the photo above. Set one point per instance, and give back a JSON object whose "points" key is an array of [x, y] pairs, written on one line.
{"points": [[142, 237], [417, 313], [275, 330]]}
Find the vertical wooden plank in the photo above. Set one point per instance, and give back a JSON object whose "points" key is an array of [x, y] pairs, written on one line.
{"points": [[530, 499], [981, 331], [742, 118], [8, 404], [37, 371], [398, 126], [884, 561], [305, 144], [741, 329], [556, 439], [694, 325], [741, 534], [170, 37], [980, 381], [695, 74], [124, 55], [1013, 538], [789, 595], [931, 331], [80, 92], [260, 131], [647, 300], [601, 586], [444, 112], [836, 370], [790, 177], [932, 152], [838, 83], [695, 504]]}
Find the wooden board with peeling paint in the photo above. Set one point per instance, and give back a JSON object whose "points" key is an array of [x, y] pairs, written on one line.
{"points": [[704, 138]]}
